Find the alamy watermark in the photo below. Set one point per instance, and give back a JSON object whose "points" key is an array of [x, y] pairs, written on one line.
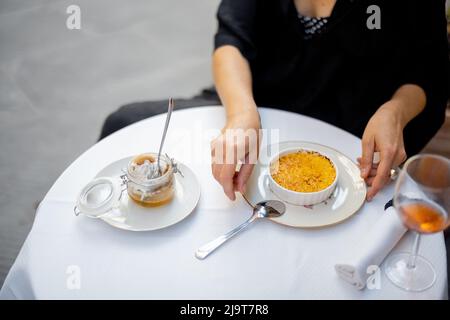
{"points": [[373, 282], [374, 20], [73, 21], [73, 280]]}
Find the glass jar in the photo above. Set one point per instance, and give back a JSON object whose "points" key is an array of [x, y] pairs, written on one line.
{"points": [[146, 184], [100, 197]]}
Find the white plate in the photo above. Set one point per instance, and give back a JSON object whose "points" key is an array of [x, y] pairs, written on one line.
{"points": [[347, 198], [134, 217]]}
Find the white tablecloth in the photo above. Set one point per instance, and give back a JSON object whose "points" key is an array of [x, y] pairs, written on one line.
{"points": [[72, 257]]}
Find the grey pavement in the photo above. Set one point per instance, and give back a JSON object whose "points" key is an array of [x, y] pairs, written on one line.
{"points": [[58, 85]]}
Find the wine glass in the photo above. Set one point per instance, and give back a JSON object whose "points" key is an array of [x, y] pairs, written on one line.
{"points": [[422, 200]]}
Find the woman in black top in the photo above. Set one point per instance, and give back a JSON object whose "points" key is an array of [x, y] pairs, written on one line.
{"points": [[377, 69]]}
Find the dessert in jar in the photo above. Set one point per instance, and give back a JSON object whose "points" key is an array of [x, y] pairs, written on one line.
{"points": [[149, 185]]}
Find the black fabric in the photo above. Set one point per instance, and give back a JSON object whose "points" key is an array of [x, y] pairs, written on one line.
{"points": [[344, 74], [133, 112]]}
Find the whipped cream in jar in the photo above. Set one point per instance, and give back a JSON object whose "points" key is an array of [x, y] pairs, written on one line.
{"points": [[147, 185]]}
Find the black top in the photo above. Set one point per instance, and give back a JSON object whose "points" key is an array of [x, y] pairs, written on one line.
{"points": [[346, 72]]}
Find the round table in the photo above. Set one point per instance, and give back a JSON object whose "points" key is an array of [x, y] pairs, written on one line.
{"points": [[69, 257]]}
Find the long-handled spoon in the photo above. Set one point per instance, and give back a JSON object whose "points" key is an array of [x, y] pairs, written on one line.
{"points": [[166, 126], [263, 209]]}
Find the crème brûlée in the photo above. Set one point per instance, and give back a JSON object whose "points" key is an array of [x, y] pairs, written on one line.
{"points": [[303, 171]]}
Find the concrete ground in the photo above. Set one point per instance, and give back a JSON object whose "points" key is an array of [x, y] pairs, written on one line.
{"points": [[58, 85]]}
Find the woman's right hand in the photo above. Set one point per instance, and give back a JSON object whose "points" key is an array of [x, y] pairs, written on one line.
{"points": [[237, 143]]}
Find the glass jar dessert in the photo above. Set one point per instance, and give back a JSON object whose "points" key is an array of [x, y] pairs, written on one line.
{"points": [[149, 185]]}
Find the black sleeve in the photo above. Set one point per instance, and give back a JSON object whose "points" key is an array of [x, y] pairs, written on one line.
{"points": [[236, 26], [425, 63]]}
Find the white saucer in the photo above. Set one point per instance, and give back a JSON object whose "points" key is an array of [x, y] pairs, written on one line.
{"points": [[346, 200], [134, 217]]}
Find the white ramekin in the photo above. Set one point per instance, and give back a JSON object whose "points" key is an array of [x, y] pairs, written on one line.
{"points": [[301, 198]]}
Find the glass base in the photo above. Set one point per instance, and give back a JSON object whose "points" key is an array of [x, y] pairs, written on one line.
{"points": [[419, 278]]}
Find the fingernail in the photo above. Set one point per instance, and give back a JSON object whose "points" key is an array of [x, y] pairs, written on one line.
{"points": [[363, 172]]}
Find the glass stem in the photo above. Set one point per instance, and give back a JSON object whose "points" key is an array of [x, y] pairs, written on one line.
{"points": [[414, 252]]}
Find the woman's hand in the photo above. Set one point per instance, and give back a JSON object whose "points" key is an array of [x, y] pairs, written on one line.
{"points": [[238, 143], [383, 134], [233, 80]]}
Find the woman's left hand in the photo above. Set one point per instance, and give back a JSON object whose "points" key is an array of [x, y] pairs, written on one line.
{"points": [[383, 134]]}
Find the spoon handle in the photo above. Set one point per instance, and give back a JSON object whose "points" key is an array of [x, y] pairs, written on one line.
{"points": [[166, 126], [208, 248]]}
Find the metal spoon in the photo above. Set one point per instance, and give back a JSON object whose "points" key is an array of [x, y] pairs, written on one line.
{"points": [[166, 126], [263, 209]]}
